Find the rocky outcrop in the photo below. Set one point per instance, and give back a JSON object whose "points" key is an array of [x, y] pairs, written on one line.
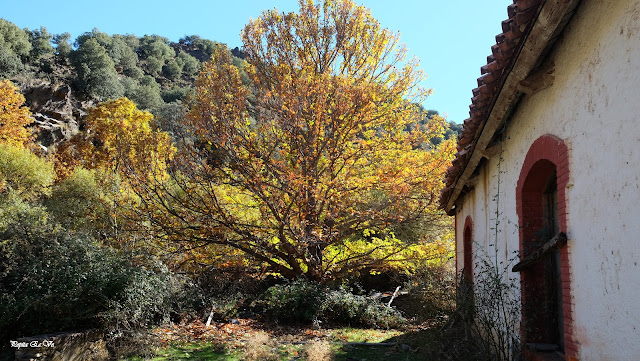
{"points": [[57, 112]]}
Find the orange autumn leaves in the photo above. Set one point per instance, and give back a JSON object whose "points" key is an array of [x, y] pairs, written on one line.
{"points": [[13, 116]]}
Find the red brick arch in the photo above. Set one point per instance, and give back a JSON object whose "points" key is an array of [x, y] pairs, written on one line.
{"points": [[546, 155]]}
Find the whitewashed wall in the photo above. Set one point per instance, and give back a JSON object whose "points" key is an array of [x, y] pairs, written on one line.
{"points": [[594, 106]]}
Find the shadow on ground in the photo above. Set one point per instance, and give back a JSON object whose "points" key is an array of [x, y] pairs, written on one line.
{"points": [[450, 343]]}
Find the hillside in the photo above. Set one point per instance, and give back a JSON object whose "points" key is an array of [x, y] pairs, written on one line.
{"points": [[61, 79]]}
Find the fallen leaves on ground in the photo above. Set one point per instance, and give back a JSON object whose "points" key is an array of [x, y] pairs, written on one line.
{"points": [[237, 332]]}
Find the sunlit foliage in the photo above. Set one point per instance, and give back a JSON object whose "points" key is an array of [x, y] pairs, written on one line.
{"points": [[14, 39], [119, 137], [13, 116], [40, 40], [310, 152]]}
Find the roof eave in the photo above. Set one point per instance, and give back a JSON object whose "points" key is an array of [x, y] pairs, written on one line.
{"points": [[551, 18]]}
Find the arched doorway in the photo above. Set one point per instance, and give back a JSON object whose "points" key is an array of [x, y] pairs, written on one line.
{"points": [[542, 212]]}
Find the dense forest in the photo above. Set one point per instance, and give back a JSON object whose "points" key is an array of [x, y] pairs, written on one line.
{"points": [[144, 181], [61, 79]]}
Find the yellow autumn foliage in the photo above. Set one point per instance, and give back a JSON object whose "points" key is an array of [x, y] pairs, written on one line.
{"points": [[13, 116], [119, 137], [319, 145]]}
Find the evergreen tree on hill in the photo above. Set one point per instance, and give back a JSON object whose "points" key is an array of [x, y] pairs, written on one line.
{"points": [[96, 73]]}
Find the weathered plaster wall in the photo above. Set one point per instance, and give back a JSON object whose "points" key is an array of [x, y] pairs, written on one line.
{"points": [[594, 106]]}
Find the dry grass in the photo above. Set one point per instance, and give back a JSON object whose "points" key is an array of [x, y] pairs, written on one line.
{"points": [[260, 347], [319, 351]]}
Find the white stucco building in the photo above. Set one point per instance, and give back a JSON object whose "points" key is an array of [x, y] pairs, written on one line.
{"points": [[552, 149]]}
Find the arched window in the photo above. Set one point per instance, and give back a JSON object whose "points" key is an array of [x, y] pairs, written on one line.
{"points": [[545, 275]]}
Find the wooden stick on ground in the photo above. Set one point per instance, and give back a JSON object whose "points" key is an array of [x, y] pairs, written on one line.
{"points": [[394, 296]]}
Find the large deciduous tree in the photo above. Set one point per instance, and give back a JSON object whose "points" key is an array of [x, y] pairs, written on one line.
{"points": [[317, 149]]}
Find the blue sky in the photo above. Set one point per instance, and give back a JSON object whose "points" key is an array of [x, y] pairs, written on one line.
{"points": [[452, 38]]}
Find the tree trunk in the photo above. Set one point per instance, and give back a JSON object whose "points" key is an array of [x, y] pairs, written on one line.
{"points": [[314, 251]]}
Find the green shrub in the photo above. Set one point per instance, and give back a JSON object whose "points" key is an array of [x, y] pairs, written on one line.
{"points": [[295, 302], [63, 48], [154, 65], [103, 84], [134, 72], [10, 63], [146, 97], [305, 302], [174, 94], [130, 85], [101, 38], [79, 203], [205, 45], [342, 306], [55, 281], [173, 69], [191, 65], [54, 275], [151, 297], [145, 93], [40, 40], [154, 46], [122, 54], [23, 172]]}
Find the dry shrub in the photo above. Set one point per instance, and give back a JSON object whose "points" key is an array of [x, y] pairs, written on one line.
{"points": [[260, 347], [319, 351]]}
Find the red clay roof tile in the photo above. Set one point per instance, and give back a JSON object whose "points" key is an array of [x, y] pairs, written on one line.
{"points": [[520, 19]]}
